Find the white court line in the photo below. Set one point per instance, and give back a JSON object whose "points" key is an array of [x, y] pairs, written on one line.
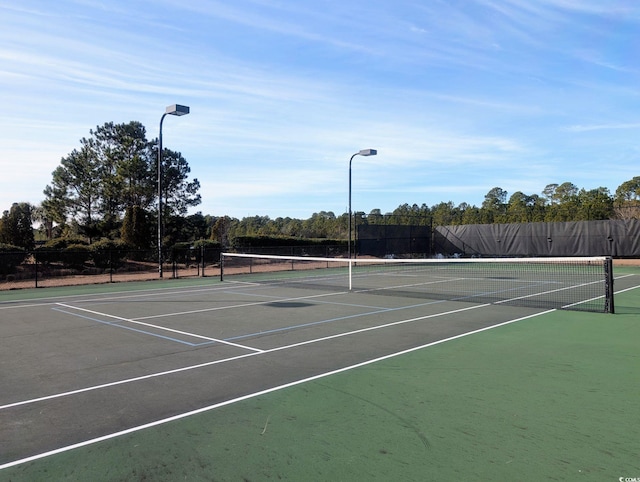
{"points": [[241, 305], [5, 305], [625, 276], [263, 392], [106, 315], [565, 288], [628, 289], [259, 352], [224, 360], [202, 365]]}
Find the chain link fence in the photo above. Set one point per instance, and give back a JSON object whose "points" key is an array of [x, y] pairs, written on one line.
{"points": [[42, 268]]}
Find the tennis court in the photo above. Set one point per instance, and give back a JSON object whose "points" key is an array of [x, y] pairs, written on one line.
{"points": [[79, 367]]}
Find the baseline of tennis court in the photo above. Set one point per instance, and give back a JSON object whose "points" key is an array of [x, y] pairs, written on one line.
{"points": [[77, 368]]}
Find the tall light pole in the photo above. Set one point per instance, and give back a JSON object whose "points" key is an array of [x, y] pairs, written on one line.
{"points": [[363, 152], [178, 110]]}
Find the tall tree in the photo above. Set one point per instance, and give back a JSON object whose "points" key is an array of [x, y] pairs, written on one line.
{"points": [[115, 170], [444, 214], [595, 204], [494, 206], [128, 166], [136, 230], [320, 225], [471, 215], [75, 187], [220, 230], [566, 192], [519, 208], [538, 208], [627, 199], [549, 193], [564, 203], [179, 194], [412, 214], [16, 226]]}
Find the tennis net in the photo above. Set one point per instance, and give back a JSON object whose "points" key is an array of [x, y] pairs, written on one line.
{"points": [[574, 283]]}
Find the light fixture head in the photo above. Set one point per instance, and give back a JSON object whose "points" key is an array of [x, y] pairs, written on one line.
{"points": [[368, 152], [177, 109]]}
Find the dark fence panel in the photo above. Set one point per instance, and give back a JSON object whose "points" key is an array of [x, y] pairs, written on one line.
{"points": [[616, 238], [404, 241]]}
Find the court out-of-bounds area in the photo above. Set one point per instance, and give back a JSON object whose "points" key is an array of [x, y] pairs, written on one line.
{"points": [[202, 379]]}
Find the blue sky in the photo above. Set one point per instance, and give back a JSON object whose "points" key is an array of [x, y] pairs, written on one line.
{"points": [[458, 96]]}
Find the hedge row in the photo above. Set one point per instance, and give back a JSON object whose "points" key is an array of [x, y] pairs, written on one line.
{"points": [[75, 253], [243, 242], [10, 258], [104, 254]]}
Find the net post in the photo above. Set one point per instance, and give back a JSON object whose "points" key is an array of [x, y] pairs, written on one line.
{"points": [[609, 307], [221, 266], [350, 262]]}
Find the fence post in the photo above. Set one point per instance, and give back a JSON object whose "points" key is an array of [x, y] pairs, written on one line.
{"points": [[35, 258]]}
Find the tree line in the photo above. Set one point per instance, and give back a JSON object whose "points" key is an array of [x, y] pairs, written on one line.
{"points": [[107, 190]]}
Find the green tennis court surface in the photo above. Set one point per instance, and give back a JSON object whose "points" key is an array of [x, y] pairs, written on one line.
{"points": [[247, 384]]}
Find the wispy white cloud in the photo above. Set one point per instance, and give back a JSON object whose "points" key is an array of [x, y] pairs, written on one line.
{"points": [[455, 97], [600, 127]]}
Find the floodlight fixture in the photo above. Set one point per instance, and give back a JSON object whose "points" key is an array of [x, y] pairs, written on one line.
{"points": [[362, 152], [177, 110]]}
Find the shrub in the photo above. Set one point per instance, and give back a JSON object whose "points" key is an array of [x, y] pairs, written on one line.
{"points": [[10, 258], [75, 255], [62, 243], [211, 250], [182, 253], [54, 251], [191, 252], [107, 253], [289, 246]]}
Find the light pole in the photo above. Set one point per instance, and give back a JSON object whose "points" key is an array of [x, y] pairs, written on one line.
{"points": [[363, 152], [178, 110]]}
